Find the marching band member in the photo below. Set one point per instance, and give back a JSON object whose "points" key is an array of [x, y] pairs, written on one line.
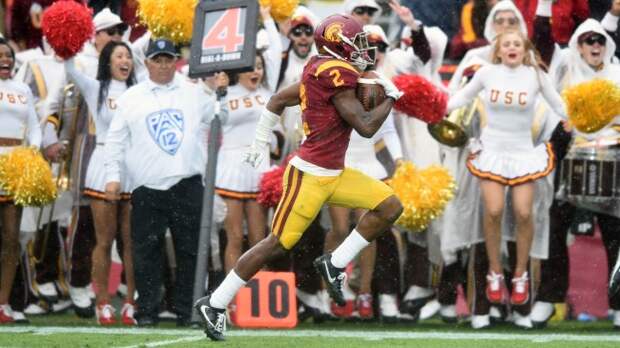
{"points": [[506, 155], [47, 262], [236, 182], [114, 76], [588, 56], [18, 117]]}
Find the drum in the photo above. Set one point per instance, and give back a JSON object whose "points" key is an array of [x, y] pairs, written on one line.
{"points": [[590, 179]]}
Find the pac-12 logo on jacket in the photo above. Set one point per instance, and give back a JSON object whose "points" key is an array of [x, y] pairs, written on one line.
{"points": [[166, 127]]}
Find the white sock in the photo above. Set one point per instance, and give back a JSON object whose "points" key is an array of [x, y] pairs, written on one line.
{"points": [[224, 293], [346, 251]]}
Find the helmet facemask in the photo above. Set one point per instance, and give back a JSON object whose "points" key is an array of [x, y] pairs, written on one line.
{"points": [[361, 56]]}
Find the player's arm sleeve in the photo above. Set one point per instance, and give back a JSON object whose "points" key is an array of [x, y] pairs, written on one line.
{"points": [[273, 55], [467, 93]]}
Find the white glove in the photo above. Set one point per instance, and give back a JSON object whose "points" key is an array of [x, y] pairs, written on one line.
{"points": [[256, 153], [390, 89]]}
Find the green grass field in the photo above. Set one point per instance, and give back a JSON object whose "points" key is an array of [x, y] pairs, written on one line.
{"points": [[66, 330]]}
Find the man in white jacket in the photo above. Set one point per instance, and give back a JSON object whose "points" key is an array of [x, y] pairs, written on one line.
{"points": [[159, 136]]}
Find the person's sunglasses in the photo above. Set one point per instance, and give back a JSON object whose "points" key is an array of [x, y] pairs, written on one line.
{"points": [[302, 30], [591, 40], [360, 11], [114, 31], [511, 21]]}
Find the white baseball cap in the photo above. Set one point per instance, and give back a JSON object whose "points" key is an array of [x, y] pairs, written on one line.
{"points": [[106, 19]]}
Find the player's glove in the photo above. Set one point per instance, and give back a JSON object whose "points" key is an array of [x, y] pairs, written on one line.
{"points": [[390, 89], [256, 153]]}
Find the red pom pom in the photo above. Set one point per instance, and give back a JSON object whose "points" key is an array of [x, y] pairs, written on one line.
{"points": [[422, 99], [67, 25], [271, 187]]}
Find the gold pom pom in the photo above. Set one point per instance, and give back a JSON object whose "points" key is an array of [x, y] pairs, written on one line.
{"points": [[423, 194], [281, 10], [27, 177], [592, 105], [170, 19]]}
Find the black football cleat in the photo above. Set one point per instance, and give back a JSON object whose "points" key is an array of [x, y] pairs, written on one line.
{"points": [[214, 319], [614, 279], [333, 276]]}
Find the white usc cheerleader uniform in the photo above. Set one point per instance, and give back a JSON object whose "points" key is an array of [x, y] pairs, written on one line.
{"points": [[234, 178], [18, 119], [95, 174], [506, 153]]}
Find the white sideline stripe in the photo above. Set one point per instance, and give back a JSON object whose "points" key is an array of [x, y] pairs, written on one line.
{"points": [[168, 342], [368, 335]]}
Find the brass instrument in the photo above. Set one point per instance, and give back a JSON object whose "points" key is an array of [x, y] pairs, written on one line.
{"points": [[64, 173], [451, 131]]}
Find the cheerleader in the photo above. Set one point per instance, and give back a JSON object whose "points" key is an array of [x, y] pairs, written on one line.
{"points": [[505, 154], [236, 182], [461, 235], [114, 76], [17, 117], [589, 56]]}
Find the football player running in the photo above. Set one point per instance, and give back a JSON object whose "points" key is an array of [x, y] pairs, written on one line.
{"points": [[316, 175]]}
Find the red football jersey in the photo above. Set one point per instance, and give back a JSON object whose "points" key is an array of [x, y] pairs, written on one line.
{"points": [[327, 134]]}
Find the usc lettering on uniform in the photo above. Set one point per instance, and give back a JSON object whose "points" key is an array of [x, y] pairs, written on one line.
{"points": [[508, 97], [246, 102], [13, 98]]}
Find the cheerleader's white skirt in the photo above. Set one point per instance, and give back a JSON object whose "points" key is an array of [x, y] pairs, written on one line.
{"points": [[509, 159], [94, 186], [236, 179]]}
